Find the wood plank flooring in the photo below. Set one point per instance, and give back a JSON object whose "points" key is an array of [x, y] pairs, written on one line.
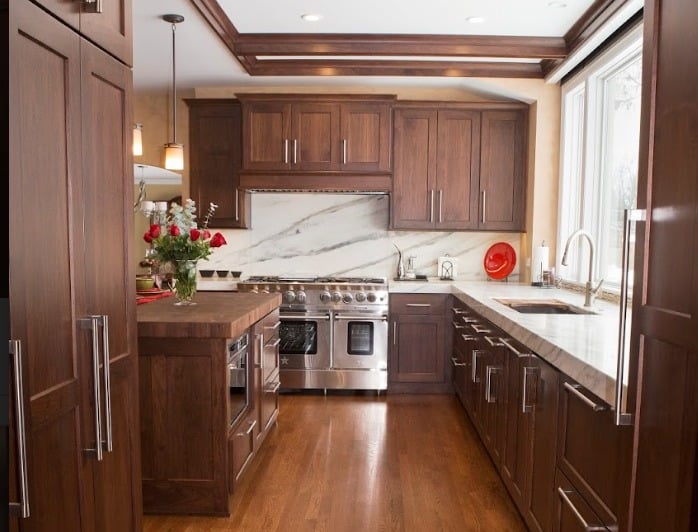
{"points": [[351, 462]]}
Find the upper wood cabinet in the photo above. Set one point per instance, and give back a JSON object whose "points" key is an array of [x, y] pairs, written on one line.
{"points": [[316, 133], [215, 154], [459, 167], [111, 28]]}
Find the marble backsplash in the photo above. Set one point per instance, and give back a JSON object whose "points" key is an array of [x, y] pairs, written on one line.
{"points": [[342, 234]]}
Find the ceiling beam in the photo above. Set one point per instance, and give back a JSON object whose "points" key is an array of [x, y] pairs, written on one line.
{"points": [[346, 67], [306, 44]]}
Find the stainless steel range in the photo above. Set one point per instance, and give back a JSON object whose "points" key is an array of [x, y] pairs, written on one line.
{"points": [[333, 332]]}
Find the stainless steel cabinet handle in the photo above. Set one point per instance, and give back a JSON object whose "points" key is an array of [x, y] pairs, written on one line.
{"points": [[106, 370], [507, 344], [273, 327], [274, 343], [285, 151], [344, 151], [21, 508], [431, 203], [99, 8], [274, 387], [469, 319], [92, 323], [585, 526], [629, 216], [476, 353], [418, 304], [480, 328], [457, 364], [488, 387], [249, 429], [456, 325], [459, 311], [237, 205], [394, 332], [525, 407], [484, 206], [304, 317], [295, 151], [440, 205], [574, 389], [494, 342], [468, 337], [373, 317], [260, 364]]}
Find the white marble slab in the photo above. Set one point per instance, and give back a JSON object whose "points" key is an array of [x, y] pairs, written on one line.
{"points": [[585, 347], [213, 284]]}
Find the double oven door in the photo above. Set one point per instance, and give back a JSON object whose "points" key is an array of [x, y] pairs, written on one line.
{"points": [[360, 340], [305, 340]]}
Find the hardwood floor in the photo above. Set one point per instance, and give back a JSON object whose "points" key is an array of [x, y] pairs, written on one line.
{"points": [[365, 463]]}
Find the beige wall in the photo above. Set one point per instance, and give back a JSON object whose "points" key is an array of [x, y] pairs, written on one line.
{"points": [[154, 112]]}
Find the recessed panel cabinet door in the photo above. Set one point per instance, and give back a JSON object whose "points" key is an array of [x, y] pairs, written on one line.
{"points": [[412, 202], [366, 132], [266, 136], [45, 181], [314, 144]]}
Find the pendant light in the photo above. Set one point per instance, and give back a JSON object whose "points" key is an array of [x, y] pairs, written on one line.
{"points": [[138, 139], [174, 152]]}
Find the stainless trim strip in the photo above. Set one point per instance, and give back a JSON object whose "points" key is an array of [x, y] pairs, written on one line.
{"points": [[574, 389], [22, 507]]}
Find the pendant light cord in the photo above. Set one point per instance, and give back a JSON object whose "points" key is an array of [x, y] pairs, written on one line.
{"points": [[174, 88]]}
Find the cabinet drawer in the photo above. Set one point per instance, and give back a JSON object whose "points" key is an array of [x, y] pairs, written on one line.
{"points": [[592, 451], [241, 445], [433, 304], [269, 402], [573, 514]]}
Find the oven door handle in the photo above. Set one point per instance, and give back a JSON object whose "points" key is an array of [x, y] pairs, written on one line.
{"points": [[304, 317], [372, 317]]}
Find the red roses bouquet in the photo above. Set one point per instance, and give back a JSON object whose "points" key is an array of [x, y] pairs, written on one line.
{"points": [[181, 238]]}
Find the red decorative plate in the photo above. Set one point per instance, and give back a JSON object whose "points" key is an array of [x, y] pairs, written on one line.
{"points": [[500, 260]]}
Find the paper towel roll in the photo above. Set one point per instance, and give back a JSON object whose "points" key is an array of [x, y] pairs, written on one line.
{"points": [[539, 262]]}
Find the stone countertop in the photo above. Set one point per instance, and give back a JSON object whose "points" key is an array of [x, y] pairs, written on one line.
{"points": [[215, 315], [584, 347]]}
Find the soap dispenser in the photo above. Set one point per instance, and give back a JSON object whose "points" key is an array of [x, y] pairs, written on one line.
{"points": [[410, 273]]}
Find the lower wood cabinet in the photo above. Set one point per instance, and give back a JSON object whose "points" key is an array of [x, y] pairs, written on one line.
{"points": [[572, 513], [265, 368], [419, 344]]}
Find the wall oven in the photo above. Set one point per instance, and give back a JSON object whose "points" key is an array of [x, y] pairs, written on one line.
{"points": [[238, 389]]}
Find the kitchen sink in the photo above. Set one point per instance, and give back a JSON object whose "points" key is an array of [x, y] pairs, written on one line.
{"points": [[543, 306]]}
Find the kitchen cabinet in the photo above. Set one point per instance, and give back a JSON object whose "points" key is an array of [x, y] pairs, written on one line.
{"points": [[593, 454], [71, 308], [215, 155], [194, 448], [664, 332], [110, 27], [266, 374], [513, 404], [316, 142], [459, 167], [419, 344]]}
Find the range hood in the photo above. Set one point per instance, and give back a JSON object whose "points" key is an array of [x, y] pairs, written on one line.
{"points": [[330, 183]]}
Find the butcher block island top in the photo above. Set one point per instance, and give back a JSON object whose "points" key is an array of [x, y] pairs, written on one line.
{"points": [[215, 315]]}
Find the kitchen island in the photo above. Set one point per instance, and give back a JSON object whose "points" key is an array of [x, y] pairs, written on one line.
{"points": [[188, 430]]}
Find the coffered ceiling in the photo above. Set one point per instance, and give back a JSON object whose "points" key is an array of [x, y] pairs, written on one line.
{"points": [[239, 42]]}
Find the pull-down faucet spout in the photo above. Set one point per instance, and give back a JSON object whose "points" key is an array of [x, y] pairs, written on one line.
{"points": [[590, 292]]}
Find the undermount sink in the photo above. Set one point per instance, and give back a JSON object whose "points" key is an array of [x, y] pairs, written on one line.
{"points": [[543, 306]]}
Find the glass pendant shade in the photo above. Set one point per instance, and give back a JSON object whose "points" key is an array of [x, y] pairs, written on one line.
{"points": [[138, 139], [174, 156]]}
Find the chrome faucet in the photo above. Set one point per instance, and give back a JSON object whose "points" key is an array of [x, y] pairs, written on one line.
{"points": [[590, 292]]}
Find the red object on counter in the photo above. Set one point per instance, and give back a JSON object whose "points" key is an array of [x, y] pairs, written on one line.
{"points": [[141, 298]]}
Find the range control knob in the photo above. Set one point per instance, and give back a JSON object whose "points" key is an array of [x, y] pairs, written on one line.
{"points": [[371, 297], [300, 297], [348, 298], [360, 297], [325, 296], [289, 296], [336, 297]]}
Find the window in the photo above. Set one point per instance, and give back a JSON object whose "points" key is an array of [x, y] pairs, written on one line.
{"points": [[599, 158]]}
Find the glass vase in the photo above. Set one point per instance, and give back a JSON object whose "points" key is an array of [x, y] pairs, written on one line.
{"points": [[185, 281]]}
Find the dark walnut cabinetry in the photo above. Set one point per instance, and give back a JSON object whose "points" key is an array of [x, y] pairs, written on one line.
{"points": [[511, 396], [459, 166], [288, 140], [215, 155], [195, 449], [419, 341], [71, 304]]}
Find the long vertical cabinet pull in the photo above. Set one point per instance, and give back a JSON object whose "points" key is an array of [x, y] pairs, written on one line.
{"points": [[237, 204], [285, 151], [475, 353], [629, 216], [489, 397], [106, 371], [20, 508], [344, 151], [295, 151], [431, 206], [525, 407], [441, 197], [484, 206], [92, 323], [394, 332]]}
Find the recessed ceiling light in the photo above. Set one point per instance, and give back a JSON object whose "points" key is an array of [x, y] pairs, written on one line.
{"points": [[311, 17], [475, 20], [557, 3]]}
